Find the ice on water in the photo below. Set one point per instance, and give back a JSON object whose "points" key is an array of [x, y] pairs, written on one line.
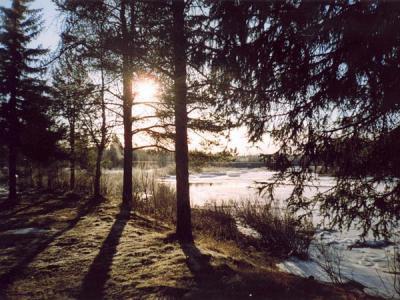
{"points": [[365, 263]]}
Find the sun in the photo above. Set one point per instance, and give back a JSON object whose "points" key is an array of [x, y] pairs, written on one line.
{"points": [[146, 89]]}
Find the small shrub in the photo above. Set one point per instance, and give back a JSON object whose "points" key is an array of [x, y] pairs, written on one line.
{"points": [[152, 197], [167, 170], [281, 233], [83, 182], [61, 181], [160, 203], [164, 202], [394, 267], [71, 196], [158, 200], [330, 259], [217, 221], [111, 183]]}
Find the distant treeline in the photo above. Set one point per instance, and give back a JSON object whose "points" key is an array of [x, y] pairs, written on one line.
{"points": [[113, 159]]}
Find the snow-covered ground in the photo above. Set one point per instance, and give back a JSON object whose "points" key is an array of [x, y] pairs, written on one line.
{"points": [[366, 264], [24, 231], [3, 191]]}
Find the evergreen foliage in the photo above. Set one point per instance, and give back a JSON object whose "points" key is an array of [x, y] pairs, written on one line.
{"points": [[322, 78], [24, 98]]}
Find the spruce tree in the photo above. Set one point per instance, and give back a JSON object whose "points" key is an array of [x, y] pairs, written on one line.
{"points": [[19, 70], [118, 19], [322, 78]]}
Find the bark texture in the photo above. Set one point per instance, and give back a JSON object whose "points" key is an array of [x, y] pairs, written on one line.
{"points": [[13, 134], [72, 156], [127, 77], [103, 138], [184, 224]]}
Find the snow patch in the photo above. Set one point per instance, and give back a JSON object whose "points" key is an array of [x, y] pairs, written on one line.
{"points": [[24, 231]]}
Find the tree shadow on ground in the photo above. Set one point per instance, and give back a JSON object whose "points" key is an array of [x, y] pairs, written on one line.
{"points": [[94, 282], [38, 245], [221, 281], [150, 223], [199, 265], [208, 279], [35, 206], [11, 212], [29, 218]]}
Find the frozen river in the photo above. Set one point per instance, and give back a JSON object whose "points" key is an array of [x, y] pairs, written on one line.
{"points": [[235, 185], [367, 265]]}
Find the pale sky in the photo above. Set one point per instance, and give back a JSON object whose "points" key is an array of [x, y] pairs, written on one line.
{"points": [[49, 39]]}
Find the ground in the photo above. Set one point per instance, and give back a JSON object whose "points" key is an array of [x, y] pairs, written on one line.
{"points": [[73, 247]]}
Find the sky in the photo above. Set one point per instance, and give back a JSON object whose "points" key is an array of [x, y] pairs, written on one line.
{"points": [[49, 36], [49, 39]]}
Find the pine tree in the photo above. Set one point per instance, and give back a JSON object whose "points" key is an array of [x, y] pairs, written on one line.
{"points": [[98, 127], [176, 49], [71, 88], [19, 63], [119, 18], [183, 217], [142, 37]]}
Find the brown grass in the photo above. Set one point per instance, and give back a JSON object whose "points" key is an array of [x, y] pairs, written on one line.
{"points": [[101, 253], [216, 221], [282, 234]]}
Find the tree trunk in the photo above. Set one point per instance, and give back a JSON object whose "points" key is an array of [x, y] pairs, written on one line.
{"points": [[127, 78], [183, 223], [102, 144], [39, 183], [12, 172], [12, 150], [72, 157], [50, 175], [97, 177]]}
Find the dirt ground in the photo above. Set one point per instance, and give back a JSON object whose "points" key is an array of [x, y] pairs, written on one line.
{"points": [[66, 247]]}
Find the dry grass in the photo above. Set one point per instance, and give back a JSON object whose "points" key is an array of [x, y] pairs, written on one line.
{"points": [[215, 221], [281, 233], [83, 182], [101, 254]]}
